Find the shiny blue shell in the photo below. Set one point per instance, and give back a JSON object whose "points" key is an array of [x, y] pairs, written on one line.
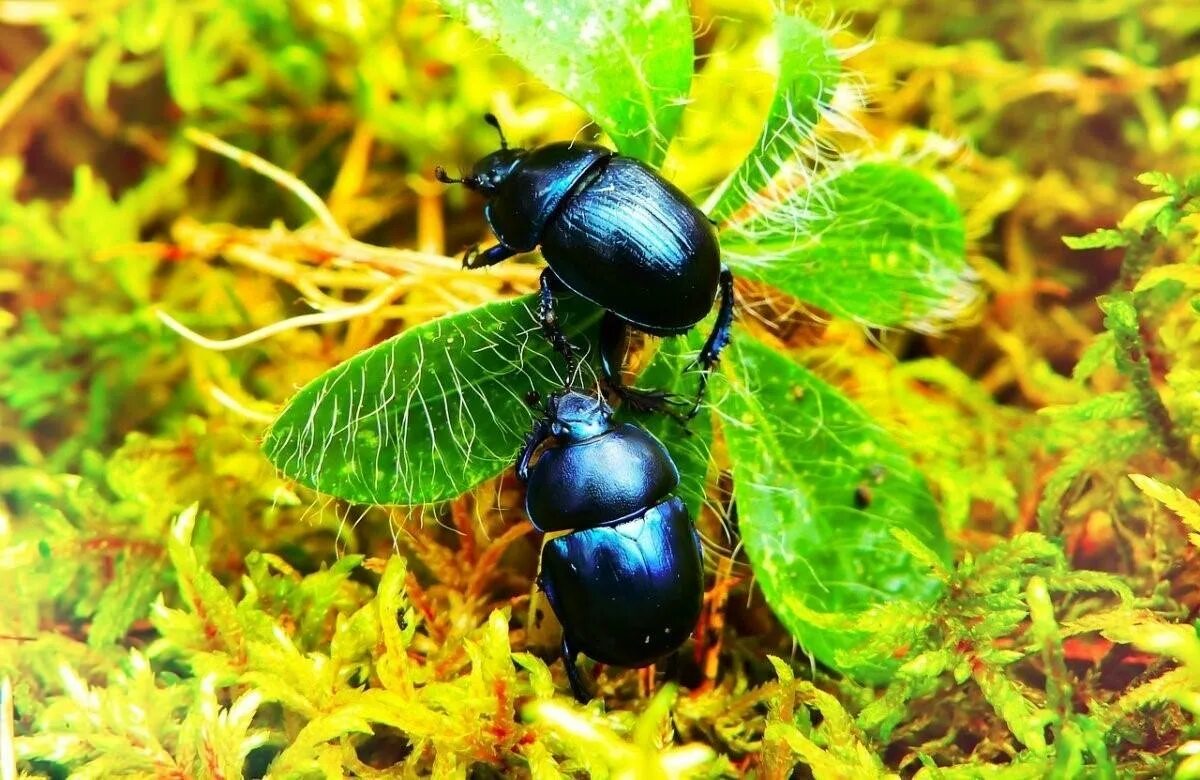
{"points": [[627, 594], [626, 579], [614, 231]]}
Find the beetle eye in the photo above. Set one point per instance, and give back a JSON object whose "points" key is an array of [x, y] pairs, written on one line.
{"points": [[557, 428]]}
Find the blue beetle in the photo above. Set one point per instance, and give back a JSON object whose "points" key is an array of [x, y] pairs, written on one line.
{"points": [[613, 231], [622, 565]]}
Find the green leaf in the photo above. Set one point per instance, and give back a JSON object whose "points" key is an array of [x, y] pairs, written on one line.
{"points": [[1111, 447], [1024, 718], [540, 680], [878, 243], [98, 75], [1160, 182], [819, 488], [1174, 499], [1099, 353], [628, 64], [141, 27], [1116, 406], [215, 741], [1105, 238], [1120, 315], [216, 614], [425, 415], [690, 449], [1142, 214], [183, 79], [124, 601], [809, 70], [1186, 274]]}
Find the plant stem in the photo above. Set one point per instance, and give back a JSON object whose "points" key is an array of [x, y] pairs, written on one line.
{"points": [[25, 84], [375, 301], [271, 171], [1136, 259], [1132, 361]]}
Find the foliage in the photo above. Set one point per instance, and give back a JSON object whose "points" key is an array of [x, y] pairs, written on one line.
{"points": [[356, 434], [359, 434], [822, 488], [863, 252], [178, 608], [627, 65]]}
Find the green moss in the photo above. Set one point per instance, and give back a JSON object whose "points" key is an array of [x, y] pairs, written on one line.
{"points": [[176, 607]]}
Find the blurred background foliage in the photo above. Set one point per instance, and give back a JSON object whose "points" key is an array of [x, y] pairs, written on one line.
{"points": [[176, 609]]}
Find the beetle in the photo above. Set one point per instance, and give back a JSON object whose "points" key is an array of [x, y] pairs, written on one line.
{"points": [[613, 231], [621, 565]]}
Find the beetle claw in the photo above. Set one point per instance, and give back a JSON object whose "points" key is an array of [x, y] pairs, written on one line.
{"points": [[654, 401], [647, 400]]}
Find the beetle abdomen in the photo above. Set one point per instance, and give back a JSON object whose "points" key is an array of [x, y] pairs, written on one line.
{"points": [[535, 191], [630, 241], [599, 480], [629, 593]]}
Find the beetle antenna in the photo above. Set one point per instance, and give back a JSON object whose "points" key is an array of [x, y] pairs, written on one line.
{"points": [[440, 174], [491, 119]]}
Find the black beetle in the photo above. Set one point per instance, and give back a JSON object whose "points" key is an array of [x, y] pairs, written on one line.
{"points": [[613, 231], [621, 565]]}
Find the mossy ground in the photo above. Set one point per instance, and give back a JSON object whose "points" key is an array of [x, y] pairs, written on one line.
{"points": [[175, 608]]}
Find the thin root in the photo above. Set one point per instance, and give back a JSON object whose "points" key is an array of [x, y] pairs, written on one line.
{"points": [[369, 305], [237, 407], [271, 171]]}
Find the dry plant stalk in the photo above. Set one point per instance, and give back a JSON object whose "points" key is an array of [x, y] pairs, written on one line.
{"points": [[344, 263]]}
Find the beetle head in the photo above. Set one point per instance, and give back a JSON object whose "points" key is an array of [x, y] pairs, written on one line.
{"points": [[491, 171], [576, 416]]}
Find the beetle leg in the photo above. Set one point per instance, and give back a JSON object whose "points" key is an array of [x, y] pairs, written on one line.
{"points": [[548, 317], [717, 340], [473, 258], [672, 666], [578, 687], [614, 338], [569, 653], [541, 430]]}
